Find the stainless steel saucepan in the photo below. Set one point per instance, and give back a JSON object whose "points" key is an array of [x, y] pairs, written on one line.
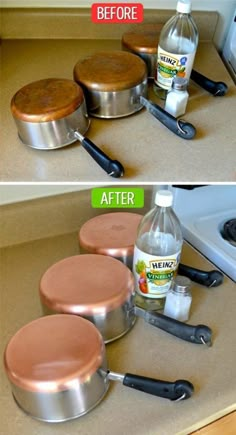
{"points": [[58, 370], [144, 41], [115, 84], [101, 289], [51, 113]]}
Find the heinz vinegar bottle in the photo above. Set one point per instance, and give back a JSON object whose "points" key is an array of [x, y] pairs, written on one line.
{"points": [[176, 48], [156, 253]]}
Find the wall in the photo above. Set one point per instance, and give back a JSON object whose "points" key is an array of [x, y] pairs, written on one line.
{"points": [[225, 8], [11, 193]]}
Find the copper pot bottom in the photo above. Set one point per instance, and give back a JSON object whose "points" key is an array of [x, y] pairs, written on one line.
{"points": [[96, 287]]}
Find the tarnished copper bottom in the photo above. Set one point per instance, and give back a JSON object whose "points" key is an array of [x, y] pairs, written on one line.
{"points": [[111, 234], [86, 285], [46, 100], [110, 71], [143, 40], [53, 354]]}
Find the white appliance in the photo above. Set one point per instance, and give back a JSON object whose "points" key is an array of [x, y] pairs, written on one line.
{"points": [[229, 49], [208, 218]]}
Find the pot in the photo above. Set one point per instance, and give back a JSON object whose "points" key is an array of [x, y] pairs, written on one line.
{"points": [[51, 114], [114, 234], [115, 84], [111, 234], [144, 44], [101, 289], [58, 370]]}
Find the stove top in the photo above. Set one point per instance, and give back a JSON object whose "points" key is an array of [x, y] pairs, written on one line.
{"points": [[228, 231], [208, 218]]}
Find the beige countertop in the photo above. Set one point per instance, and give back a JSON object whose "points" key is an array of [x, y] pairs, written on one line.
{"points": [[148, 151], [144, 350]]}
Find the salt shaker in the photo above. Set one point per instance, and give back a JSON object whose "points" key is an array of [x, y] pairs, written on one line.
{"points": [[178, 299], [177, 97]]}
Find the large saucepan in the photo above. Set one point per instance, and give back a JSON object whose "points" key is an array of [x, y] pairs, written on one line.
{"points": [[101, 289], [116, 85], [58, 370], [52, 113]]}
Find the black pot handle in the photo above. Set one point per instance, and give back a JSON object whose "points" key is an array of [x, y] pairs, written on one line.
{"points": [[181, 128], [179, 390], [200, 334], [112, 167], [212, 278], [218, 89]]}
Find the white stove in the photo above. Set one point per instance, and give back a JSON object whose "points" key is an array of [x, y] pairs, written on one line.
{"points": [[208, 218]]}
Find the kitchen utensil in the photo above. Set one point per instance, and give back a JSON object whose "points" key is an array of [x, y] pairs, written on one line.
{"points": [[52, 113], [115, 85], [101, 289], [144, 44], [212, 278], [218, 89], [111, 234], [58, 371]]}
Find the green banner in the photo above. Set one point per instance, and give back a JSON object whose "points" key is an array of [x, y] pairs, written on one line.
{"points": [[117, 197]]}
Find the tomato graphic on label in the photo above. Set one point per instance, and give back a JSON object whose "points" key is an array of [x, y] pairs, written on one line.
{"points": [[142, 282], [140, 268], [181, 72]]}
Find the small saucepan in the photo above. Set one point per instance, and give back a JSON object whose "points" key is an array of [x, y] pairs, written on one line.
{"points": [[52, 113], [58, 371], [101, 289], [115, 84]]}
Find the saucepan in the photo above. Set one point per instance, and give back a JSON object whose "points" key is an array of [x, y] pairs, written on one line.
{"points": [[58, 370], [110, 234], [114, 234], [52, 113], [101, 289], [115, 84], [144, 43]]}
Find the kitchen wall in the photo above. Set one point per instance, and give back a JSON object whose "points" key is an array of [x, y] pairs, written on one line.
{"points": [[11, 193], [225, 8]]}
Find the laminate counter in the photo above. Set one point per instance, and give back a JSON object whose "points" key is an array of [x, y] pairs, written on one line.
{"points": [[148, 151], [143, 350]]}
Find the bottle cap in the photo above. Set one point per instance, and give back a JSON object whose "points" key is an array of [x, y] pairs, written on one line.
{"points": [[179, 83], [181, 284], [184, 6], [164, 198]]}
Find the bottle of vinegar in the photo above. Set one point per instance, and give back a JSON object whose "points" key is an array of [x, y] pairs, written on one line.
{"points": [[156, 253], [177, 47]]}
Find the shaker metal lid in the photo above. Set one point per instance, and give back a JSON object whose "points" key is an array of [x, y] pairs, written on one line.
{"points": [[52, 353], [110, 71], [144, 40], [111, 234], [46, 100], [86, 285]]}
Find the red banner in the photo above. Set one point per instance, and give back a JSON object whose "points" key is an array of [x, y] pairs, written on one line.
{"points": [[117, 13]]}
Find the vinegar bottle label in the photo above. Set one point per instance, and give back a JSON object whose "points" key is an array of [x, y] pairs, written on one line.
{"points": [[153, 274], [170, 65]]}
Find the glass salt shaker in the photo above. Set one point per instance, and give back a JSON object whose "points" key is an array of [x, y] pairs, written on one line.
{"points": [[177, 97], [179, 299]]}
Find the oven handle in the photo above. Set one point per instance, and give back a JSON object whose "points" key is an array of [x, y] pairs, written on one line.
{"points": [[212, 278]]}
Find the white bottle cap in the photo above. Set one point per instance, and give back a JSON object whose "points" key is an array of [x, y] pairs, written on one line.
{"points": [[164, 198], [184, 6]]}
